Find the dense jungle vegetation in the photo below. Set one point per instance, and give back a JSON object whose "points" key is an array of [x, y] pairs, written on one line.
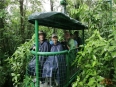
{"points": [[97, 60]]}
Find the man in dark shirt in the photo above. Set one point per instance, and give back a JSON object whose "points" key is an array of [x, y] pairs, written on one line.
{"points": [[77, 38]]}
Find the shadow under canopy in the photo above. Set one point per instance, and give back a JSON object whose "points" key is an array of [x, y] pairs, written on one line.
{"points": [[56, 20]]}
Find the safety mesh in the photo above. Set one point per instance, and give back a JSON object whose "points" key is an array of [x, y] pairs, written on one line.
{"points": [[54, 70]]}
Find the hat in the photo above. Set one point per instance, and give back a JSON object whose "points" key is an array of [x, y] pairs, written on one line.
{"points": [[41, 32], [54, 35]]}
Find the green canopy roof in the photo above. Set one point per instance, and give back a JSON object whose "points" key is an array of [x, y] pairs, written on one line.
{"points": [[56, 20]]}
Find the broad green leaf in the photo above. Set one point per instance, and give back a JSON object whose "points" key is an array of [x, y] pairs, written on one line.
{"points": [[92, 81]]}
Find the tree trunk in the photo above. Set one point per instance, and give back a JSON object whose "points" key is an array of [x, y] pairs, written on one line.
{"points": [[1, 9], [51, 5], [22, 27], [52, 9], [2, 45]]}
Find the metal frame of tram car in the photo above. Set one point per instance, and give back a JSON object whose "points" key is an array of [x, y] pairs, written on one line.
{"points": [[62, 21]]}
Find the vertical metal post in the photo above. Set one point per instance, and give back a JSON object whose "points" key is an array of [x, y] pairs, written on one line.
{"points": [[63, 3], [36, 50]]}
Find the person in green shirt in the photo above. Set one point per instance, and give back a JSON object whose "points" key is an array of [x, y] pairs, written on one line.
{"points": [[69, 40]]}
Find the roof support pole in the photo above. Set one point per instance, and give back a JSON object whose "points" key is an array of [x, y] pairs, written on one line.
{"points": [[36, 50]]}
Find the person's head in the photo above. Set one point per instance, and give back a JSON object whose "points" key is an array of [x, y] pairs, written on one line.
{"points": [[42, 35], [72, 36], [54, 38], [67, 35], [76, 34]]}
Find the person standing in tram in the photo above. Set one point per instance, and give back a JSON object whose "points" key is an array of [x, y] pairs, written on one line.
{"points": [[55, 66], [44, 46], [77, 38], [69, 41]]}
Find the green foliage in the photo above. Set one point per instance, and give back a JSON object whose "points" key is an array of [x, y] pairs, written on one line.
{"points": [[11, 37], [88, 61], [49, 31], [28, 82], [96, 61], [18, 62], [96, 14], [3, 74], [112, 48]]}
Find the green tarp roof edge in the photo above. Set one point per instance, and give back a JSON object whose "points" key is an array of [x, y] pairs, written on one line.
{"points": [[56, 20]]}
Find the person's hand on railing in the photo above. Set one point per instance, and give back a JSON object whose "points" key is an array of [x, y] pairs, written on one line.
{"points": [[33, 48]]}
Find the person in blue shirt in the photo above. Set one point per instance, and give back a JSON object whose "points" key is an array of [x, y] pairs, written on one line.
{"points": [[50, 41], [44, 46], [55, 66]]}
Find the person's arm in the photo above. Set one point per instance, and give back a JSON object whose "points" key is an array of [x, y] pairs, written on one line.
{"points": [[33, 47]]}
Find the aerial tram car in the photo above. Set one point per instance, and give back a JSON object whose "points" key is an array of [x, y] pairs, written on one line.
{"points": [[67, 71]]}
